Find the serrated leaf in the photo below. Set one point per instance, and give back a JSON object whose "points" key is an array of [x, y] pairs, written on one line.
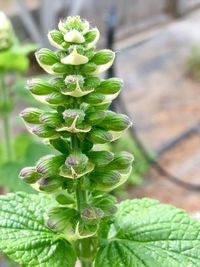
{"points": [[149, 234], [24, 235]]}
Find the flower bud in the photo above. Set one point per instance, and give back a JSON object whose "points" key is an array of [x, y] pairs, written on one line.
{"points": [[107, 180], [74, 121], [100, 106], [103, 67], [76, 165], [46, 57], [105, 202], [74, 22], [122, 160], [74, 36], [56, 39], [92, 37], [64, 198], [104, 180], [99, 136], [44, 131], [89, 53], [94, 98], [92, 82], [56, 98], [58, 83], [40, 87], [115, 122], [62, 69], [92, 215], [110, 86], [96, 117], [70, 115], [74, 58], [31, 115], [62, 219], [60, 145], [72, 80], [51, 119], [88, 68], [50, 164], [29, 175], [49, 184], [74, 86], [103, 57], [100, 158]]}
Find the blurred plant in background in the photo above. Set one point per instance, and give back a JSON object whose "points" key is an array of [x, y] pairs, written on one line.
{"points": [[193, 61], [20, 150]]}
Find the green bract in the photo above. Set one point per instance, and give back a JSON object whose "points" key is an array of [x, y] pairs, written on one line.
{"points": [[77, 219]]}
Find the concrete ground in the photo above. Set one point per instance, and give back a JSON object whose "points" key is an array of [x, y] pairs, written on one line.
{"points": [[164, 101]]}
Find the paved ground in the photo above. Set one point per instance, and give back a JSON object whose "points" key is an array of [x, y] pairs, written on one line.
{"points": [[164, 101]]}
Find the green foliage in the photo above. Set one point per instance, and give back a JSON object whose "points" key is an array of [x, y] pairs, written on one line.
{"points": [[146, 233], [25, 236]]}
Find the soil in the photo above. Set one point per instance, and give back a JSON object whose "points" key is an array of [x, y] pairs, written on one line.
{"points": [[164, 101]]}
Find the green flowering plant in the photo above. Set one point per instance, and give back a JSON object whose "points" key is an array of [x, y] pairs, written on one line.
{"points": [[74, 217], [13, 58]]}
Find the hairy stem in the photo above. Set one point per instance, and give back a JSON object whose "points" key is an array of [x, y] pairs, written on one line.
{"points": [[86, 257], [84, 245], [5, 118], [86, 264]]}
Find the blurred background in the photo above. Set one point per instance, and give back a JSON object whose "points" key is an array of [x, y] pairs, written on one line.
{"points": [[157, 44]]}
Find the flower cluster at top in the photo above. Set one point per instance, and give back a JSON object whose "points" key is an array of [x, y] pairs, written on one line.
{"points": [[76, 125]]}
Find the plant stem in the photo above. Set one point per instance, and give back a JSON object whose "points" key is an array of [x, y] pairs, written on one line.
{"points": [[78, 195], [84, 245], [86, 264], [86, 257], [5, 112]]}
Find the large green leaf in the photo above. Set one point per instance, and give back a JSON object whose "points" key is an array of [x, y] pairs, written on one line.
{"points": [[24, 236], [148, 234]]}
